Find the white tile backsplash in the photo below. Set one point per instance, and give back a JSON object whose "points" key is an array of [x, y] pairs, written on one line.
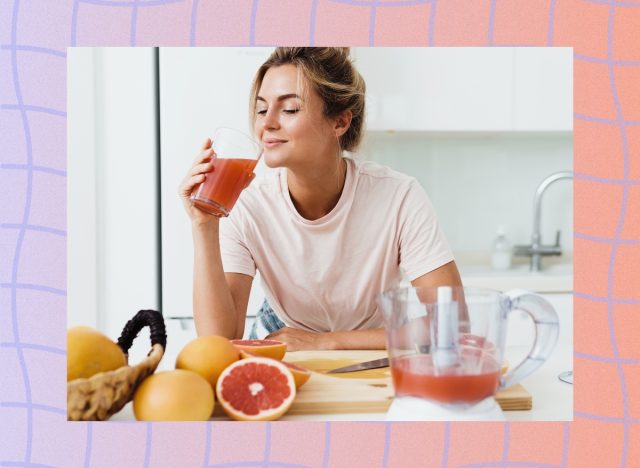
{"points": [[477, 182]]}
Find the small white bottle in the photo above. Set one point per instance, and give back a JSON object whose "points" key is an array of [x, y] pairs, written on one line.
{"points": [[501, 253]]}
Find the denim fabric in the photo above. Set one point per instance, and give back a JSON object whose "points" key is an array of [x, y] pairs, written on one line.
{"points": [[266, 321]]}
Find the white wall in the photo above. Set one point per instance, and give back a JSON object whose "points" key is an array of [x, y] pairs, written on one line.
{"points": [[82, 268]]}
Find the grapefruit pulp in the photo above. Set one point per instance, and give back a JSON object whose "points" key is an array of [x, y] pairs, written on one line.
{"points": [[256, 389], [268, 348], [300, 374]]}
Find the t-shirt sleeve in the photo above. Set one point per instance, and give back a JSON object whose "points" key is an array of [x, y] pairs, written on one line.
{"points": [[423, 246], [236, 257]]}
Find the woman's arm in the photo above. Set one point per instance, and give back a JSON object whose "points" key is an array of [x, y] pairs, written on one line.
{"points": [[298, 340], [446, 275], [219, 300]]}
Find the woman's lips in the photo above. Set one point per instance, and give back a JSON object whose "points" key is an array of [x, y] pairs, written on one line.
{"points": [[273, 143]]}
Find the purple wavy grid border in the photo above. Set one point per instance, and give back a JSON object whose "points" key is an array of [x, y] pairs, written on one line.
{"points": [[25, 109]]}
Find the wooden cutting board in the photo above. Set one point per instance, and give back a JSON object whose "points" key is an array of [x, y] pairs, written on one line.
{"points": [[368, 391]]}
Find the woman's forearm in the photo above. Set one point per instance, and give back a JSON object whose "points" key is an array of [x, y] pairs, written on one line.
{"points": [[214, 311], [358, 339]]}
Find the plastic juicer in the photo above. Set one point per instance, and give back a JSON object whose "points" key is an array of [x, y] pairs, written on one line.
{"points": [[446, 349]]}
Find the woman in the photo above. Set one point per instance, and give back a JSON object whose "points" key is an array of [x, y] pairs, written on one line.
{"points": [[327, 233]]}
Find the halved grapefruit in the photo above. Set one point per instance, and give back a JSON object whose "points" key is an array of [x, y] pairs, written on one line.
{"points": [[268, 348], [300, 374], [256, 389]]}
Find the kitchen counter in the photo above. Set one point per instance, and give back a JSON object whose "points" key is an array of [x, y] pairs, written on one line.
{"points": [[552, 398], [556, 275], [553, 279]]}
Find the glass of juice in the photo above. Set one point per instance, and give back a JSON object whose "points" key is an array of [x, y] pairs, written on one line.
{"points": [[235, 157]]}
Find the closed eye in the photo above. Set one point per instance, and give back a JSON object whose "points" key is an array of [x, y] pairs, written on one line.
{"points": [[286, 111]]}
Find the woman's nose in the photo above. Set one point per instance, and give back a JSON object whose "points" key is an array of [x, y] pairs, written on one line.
{"points": [[271, 119]]}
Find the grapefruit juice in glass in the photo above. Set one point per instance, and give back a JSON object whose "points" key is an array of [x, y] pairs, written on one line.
{"points": [[235, 157]]}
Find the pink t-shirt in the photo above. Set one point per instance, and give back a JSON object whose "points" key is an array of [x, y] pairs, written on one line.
{"points": [[326, 274]]}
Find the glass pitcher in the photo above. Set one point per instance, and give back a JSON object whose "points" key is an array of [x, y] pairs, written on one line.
{"points": [[446, 344]]}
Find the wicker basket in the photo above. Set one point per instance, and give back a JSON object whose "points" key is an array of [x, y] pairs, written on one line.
{"points": [[104, 394]]}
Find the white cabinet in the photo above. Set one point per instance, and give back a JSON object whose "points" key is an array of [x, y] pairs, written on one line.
{"points": [[467, 89], [437, 89], [543, 89]]}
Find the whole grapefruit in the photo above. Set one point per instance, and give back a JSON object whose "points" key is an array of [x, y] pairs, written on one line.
{"points": [[207, 356], [177, 395], [89, 352]]}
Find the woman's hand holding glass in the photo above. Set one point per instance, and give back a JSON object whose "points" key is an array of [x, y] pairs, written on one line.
{"points": [[202, 165]]}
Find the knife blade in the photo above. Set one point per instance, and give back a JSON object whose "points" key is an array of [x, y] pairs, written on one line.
{"points": [[375, 364]]}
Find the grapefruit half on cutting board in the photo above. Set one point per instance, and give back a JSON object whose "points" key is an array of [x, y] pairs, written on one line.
{"points": [[256, 389], [268, 348]]}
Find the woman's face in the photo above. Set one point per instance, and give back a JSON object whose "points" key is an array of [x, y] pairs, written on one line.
{"points": [[292, 127]]}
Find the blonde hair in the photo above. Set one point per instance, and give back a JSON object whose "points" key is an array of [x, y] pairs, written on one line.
{"points": [[332, 75]]}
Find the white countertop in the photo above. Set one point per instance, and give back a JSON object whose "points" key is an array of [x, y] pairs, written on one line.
{"points": [[553, 279]]}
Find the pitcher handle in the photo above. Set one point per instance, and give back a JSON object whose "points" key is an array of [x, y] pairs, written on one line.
{"points": [[546, 333]]}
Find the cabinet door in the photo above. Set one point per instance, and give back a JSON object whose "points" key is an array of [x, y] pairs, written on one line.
{"points": [[200, 89], [437, 89], [543, 89]]}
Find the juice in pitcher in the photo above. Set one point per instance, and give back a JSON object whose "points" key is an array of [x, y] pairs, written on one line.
{"points": [[469, 382]]}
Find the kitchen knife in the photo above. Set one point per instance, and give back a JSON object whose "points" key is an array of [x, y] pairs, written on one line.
{"points": [[375, 364]]}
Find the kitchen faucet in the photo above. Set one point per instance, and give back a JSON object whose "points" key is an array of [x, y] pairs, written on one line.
{"points": [[536, 250]]}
